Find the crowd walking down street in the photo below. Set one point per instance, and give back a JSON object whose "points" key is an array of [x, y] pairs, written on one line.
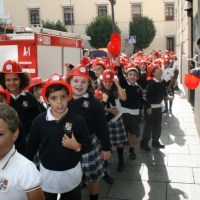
{"points": [[172, 173]]}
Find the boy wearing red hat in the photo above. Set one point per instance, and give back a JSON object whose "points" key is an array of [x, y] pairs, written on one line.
{"points": [[62, 137], [155, 94]]}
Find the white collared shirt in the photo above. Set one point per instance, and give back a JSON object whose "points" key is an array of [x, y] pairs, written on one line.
{"points": [[23, 93], [50, 117], [18, 176], [167, 74]]}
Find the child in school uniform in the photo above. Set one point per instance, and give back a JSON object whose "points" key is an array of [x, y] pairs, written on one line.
{"points": [[20, 142], [19, 178], [35, 88], [112, 94], [168, 77], [61, 137], [131, 106], [91, 109], [15, 81], [155, 94], [176, 72]]}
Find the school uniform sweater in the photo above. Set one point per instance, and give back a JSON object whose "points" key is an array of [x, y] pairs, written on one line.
{"points": [[156, 91], [27, 108], [48, 136], [93, 113], [142, 81], [133, 92]]}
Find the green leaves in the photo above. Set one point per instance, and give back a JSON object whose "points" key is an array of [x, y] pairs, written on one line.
{"points": [[100, 30], [144, 29], [59, 26]]}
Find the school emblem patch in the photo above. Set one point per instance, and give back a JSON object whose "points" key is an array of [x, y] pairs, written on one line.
{"points": [[3, 185], [86, 104], [68, 126], [25, 103]]}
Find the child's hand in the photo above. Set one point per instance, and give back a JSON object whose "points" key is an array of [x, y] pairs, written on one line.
{"points": [[170, 97], [149, 111], [105, 97], [105, 155], [192, 71], [70, 143], [114, 111], [116, 80]]}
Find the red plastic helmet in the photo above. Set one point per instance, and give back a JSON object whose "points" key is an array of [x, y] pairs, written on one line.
{"points": [[35, 81], [99, 61], [191, 81], [174, 57], [108, 75], [98, 94], [166, 59], [130, 65], [151, 67], [158, 62], [171, 53], [156, 53], [53, 80], [167, 52], [6, 93], [11, 67], [80, 70]]}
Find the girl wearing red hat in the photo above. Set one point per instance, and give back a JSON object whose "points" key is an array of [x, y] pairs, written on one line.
{"points": [[112, 94], [87, 106], [15, 81], [35, 88]]}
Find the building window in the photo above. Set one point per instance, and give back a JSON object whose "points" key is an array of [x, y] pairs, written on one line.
{"points": [[136, 11], [34, 17], [68, 16], [102, 10], [170, 44], [169, 12]]}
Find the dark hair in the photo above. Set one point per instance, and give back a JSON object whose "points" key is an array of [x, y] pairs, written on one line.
{"points": [[90, 89], [23, 77], [198, 41], [113, 90], [84, 51], [54, 88], [36, 87], [10, 116]]}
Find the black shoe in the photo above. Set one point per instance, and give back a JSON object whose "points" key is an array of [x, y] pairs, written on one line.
{"points": [[120, 167], [132, 155], [108, 179], [83, 185], [165, 111], [176, 88], [145, 147], [158, 145]]}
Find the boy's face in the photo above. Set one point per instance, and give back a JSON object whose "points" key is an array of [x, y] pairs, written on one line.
{"points": [[157, 73], [12, 83], [79, 85], [58, 101], [3, 99], [166, 65], [98, 70], [143, 67], [132, 77], [7, 138]]}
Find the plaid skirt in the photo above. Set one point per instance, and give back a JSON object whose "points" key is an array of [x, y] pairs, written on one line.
{"points": [[117, 132], [93, 166]]}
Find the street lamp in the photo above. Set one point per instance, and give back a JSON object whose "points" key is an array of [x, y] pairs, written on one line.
{"points": [[112, 2]]}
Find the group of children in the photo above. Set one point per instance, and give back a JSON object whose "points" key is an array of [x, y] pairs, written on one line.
{"points": [[74, 120]]}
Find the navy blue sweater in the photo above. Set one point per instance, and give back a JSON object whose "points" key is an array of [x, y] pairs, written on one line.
{"points": [[48, 136], [93, 113], [27, 108], [133, 92], [156, 92]]}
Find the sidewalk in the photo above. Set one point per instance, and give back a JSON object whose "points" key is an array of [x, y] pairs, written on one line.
{"points": [[169, 174]]}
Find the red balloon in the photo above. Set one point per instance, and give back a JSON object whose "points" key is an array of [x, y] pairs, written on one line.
{"points": [[191, 81], [114, 46]]}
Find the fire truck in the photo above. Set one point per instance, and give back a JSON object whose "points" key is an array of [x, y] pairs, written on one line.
{"points": [[41, 52]]}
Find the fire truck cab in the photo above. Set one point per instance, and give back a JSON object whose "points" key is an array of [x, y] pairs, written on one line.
{"points": [[41, 52]]}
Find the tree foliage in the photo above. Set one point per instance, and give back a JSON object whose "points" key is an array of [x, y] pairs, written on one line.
{"points": [[144, 30], [59, 26], [100, 30], [2, 30]]}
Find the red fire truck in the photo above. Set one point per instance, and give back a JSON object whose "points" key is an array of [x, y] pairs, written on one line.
{"points": [[41, 52]]}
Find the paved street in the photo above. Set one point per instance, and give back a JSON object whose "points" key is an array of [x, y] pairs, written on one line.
{"points": [[169, 174]]}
